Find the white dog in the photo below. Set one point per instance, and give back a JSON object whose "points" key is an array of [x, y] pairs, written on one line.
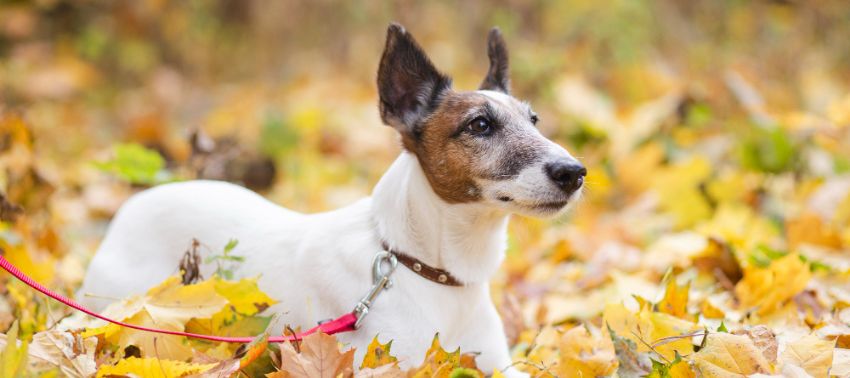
{"points": [[470, 160]]}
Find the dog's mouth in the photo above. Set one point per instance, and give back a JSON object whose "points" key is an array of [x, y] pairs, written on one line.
{"points": [[546, 206]]}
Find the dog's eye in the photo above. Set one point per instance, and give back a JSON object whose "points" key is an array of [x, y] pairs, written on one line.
{"points": [[534, 119], [479, 126]]}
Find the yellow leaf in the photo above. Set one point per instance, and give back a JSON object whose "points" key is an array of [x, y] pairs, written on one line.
{"points": [[811, 229], [41, 270], [244, 295], [13, 358], [167, 306], [727, 355], [647, 327], [811, 353], [586, 352], [664, 326], [678, 189], [675, 301], [377, 354], [438, 362], [769, 288], [152, 368]]}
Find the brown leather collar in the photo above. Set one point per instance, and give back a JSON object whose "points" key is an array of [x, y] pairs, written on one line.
{"points": [[426, 271]]}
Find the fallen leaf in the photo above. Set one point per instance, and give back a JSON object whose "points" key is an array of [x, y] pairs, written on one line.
{"points": [[840, 362], [378, 354], [13, 359], [438, 362], [73, 354], [152, 368], [675, 301], [727, 355], [383, 371], [811, 353], [586, 352], [767, 289], [319, 358], [764, 339]]}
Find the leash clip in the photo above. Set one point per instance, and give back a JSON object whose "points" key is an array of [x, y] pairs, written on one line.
{"points": [[380, 281]]}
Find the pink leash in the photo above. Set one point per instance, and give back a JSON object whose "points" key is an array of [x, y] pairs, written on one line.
{"points": [[344, 323]]}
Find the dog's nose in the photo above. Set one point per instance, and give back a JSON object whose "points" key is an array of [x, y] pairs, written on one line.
{"points": [[567, 174]]}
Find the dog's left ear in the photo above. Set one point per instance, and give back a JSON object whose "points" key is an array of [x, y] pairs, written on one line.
{"points": [[497, 77], [409, 86]]}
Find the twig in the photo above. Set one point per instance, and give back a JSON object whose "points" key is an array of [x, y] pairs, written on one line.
{"points": [[668, 339], [652, 348]]}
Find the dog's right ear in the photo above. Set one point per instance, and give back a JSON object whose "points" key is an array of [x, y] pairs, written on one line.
{"points": [[409, 85]]}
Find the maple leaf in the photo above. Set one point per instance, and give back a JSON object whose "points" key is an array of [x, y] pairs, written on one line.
{"points": [[727, 355], [438, 362], [320, 357], [152, 368], [377, 354], [586, 352], [167, 306], [647, 326], [675, 301], [769, 288]]}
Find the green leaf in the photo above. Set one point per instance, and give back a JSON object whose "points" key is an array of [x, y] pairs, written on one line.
{"points": [[230, 245], [464, 373], [135, 164]]}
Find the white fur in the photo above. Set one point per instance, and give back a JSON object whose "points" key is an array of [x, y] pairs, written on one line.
{"points": [[318, 266]]}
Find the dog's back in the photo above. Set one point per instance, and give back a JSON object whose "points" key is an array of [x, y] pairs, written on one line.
{"points": [[154, 228]]}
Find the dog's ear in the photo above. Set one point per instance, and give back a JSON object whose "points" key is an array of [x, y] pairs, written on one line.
{"points": [[409, 85], [497, 76]]}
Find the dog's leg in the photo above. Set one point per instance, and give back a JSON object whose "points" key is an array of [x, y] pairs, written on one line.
{"points": [[487, 335]]}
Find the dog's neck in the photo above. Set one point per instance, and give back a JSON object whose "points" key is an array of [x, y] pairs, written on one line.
{"points": [[467, 240]]}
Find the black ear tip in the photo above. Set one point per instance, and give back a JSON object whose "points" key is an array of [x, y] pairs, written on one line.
{"points": [[395, 29], [495, 32]]}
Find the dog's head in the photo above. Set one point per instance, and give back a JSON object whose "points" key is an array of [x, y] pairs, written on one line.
{"points": [[479, 146]]}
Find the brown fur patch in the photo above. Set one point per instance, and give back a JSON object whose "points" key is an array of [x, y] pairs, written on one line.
{"points": [[444, 157]]}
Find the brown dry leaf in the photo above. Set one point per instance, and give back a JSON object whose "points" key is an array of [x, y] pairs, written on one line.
{"points": [[319, 358], [73, 354], [811, 353], [764, 339], [586, 352], [9, 211], [727, 355]]}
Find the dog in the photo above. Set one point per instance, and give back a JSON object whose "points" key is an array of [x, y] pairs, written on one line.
{"points": [[470, 159]]}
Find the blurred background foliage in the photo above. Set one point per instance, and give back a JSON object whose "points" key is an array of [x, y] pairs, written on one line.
{"points": [[724, 118]]}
